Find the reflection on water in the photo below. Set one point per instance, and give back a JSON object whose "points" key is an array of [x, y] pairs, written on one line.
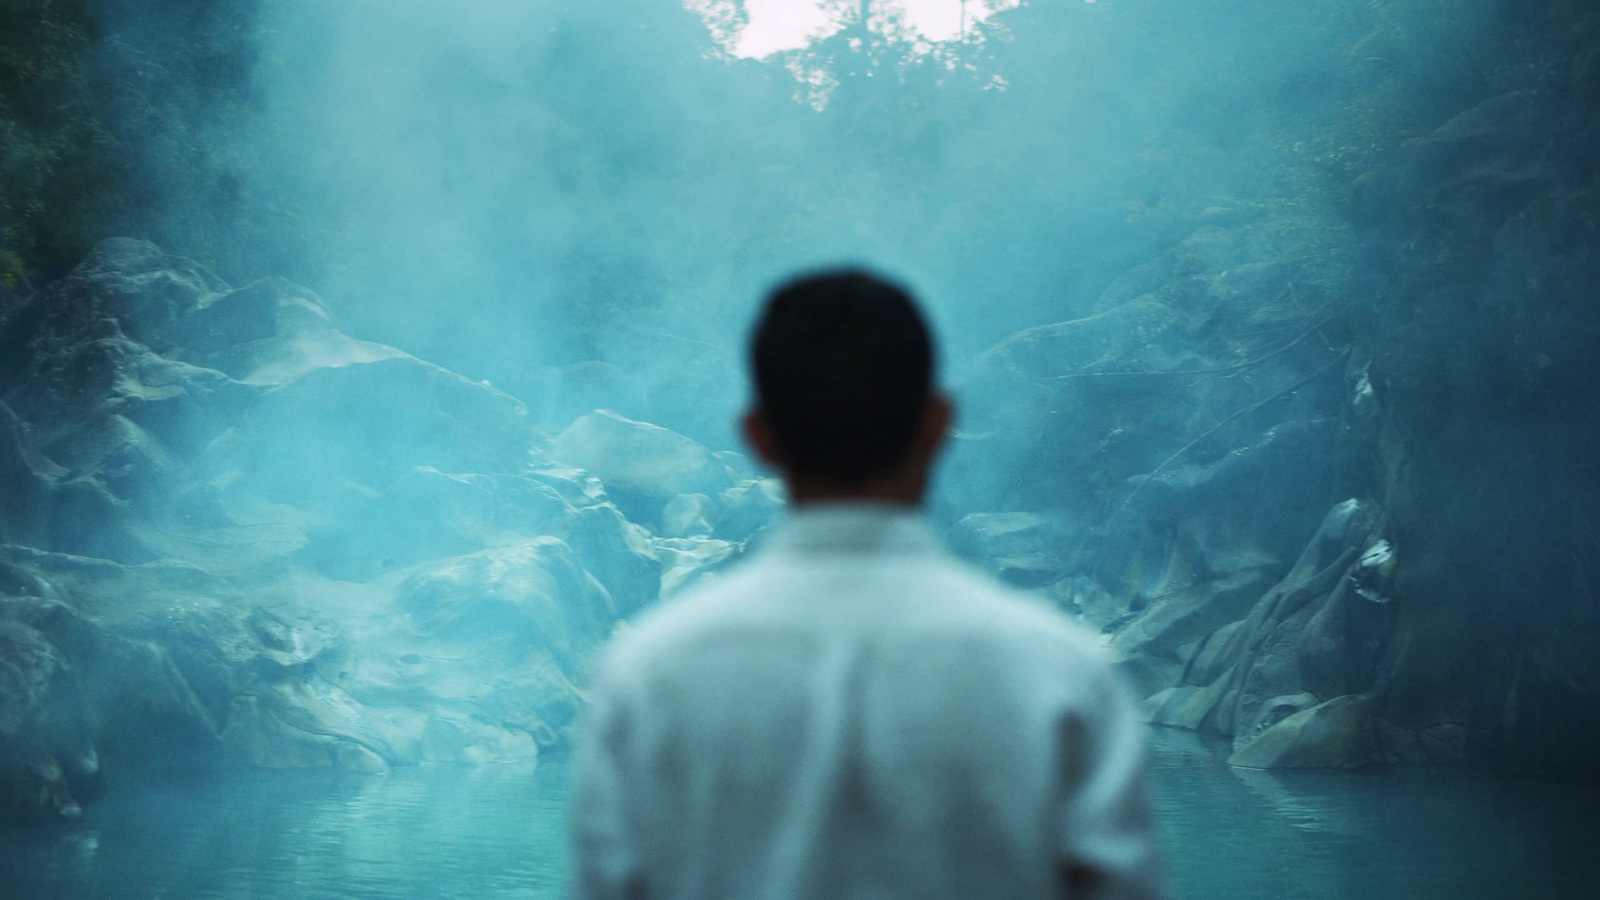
{"points": [[499, 831], [1402, 833], [440, 832]]}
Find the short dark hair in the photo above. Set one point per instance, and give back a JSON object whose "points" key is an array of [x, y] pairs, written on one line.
{"points": [[843, 366]]}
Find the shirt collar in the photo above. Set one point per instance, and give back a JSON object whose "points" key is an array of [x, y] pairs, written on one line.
{"points": [[853, 527]]}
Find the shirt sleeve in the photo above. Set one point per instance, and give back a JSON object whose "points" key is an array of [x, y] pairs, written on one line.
{"points": [[606, 863], [1109, 844]]}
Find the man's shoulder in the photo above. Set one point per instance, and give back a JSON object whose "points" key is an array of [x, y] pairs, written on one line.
{"points": [[951, 600], [664, 630], [1017, 617]]}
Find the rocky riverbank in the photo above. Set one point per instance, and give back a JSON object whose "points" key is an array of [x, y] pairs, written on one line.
{"points": [[233, 535], [1325, 477], [1320, 469]]}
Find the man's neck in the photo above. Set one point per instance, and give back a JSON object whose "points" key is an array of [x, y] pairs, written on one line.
{"points": [[895, 491]]}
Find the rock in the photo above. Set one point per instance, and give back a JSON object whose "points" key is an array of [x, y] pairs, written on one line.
{"points": [[617, 551], [1484, 231], [142, 359], [24, 514], [272, 333], [179, 671], [1147, 674], [36, 791], [1271, 713], [1439, 744], [140, 365], [1129, 334], [1276, 644], [200, 453], [151, 293], [479, 662], [220, 322], [508, 602], [688, 515], [563, 393], [1180, 617], [160, 651], [428, 514], [1242, 654], [1167, 448], [749, 506], [1020, 547], [351, 757], [1086, 601], [742, 467], [686, 562], [1336, 734], [372, 422], [292, 726], [107, 410], [41, 723], [576, 486], [1184, 706], [643, 466]]}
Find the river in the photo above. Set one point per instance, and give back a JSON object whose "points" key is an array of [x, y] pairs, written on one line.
{"points": [[490, 832]]}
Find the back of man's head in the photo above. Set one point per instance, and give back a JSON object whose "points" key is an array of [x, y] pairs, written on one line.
{"points": [[843, 367]]}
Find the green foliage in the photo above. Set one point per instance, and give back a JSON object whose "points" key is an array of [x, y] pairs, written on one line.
{"points": [[54, 165], [101, 104], [172, 83]]}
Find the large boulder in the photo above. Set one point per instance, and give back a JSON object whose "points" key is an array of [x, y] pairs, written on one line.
{"points": [[150, 293], [42, 726], [129, 667], [1162, 638], [372, 422], [1265, 664], [617, 551], [686, 562], [1023, 548], [749, 506], [473, 659], [1087, 601], [428, 514], [1336, 734], [480, 659], [643, 466], [504, 604]]}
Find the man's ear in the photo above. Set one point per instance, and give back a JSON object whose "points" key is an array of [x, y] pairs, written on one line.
{"points": [[937, 419], [758, 433]]}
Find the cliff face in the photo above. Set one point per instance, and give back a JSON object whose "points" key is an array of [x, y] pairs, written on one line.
{"points": [[1482, 337], [232, 535], [1186, 471], [1420, 367]]}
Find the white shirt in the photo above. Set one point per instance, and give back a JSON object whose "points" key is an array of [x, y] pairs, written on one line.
{"points": [[855, 714]]}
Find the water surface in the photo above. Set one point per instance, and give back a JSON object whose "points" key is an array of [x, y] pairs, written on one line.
{"points": [[500, 832]]}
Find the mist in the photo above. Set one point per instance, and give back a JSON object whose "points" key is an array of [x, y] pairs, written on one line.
{"points": [[398, 362], [538, 185]]}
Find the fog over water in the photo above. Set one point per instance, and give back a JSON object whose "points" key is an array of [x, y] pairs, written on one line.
{"points": [[501, 832]]}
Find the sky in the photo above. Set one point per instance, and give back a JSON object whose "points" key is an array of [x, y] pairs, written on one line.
{"points": [[778, 25]]}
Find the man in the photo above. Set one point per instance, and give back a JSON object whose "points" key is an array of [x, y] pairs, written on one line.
{"points": [[854, 714]]}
